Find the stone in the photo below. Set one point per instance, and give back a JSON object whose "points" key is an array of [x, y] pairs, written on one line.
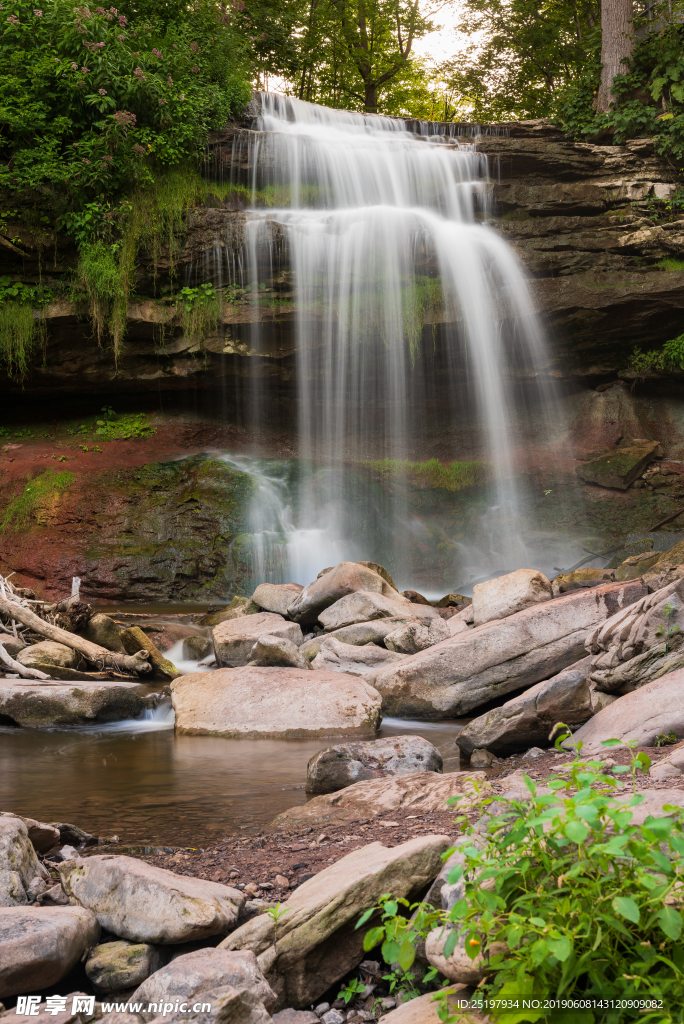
{"points": [[533, 754], [381, 571], [669, 560], [13, 645], [452, 600], [659, 577], [416, 637], [135, 640], [40, 704], [363, 606], [426, 791], [347, 763], [190, 976], [620, 467], [143, 903], [224, 1005], [345, 578], [43, 836], [500, 656], [317, 942], [481, 758], [288, 703], [114, 966], [637, 565], [196, 648], [19, 866], [359, 634], [333, 1017], [238, 607], [528, 718], [40, 945], [235, 638], [653, 710], [73, 835], [506, 595], [276, 597], [48, 653], [290, 1016], [102, 630], [566, 582], [669, 767], [276, 651], [335, 656]]}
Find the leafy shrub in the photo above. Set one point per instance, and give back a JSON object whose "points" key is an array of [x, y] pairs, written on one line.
{"points": [[122, 428], [669, 357]]}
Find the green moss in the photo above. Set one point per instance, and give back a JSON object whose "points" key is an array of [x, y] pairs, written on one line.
{"points": [[453, 476], [38, 496], [671, 265]]}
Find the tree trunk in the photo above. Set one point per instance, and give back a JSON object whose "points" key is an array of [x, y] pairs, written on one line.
{"points": [[371, 98], [617, 43]]}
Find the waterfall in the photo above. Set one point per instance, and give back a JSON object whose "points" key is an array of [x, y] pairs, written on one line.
{"points": [[411, 325]]}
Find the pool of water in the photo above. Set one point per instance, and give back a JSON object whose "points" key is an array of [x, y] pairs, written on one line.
{"points": [[141, 782]]}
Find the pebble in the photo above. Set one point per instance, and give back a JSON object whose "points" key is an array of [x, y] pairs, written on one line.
{"points": [[282, 882], [533, 753], [321, 1009], [333, 1017]]}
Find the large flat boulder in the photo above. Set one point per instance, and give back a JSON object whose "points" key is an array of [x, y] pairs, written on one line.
{"points": [[346, 763], [40, 945], [317, 942], [18, 862], [345, 578], [426, 791], [359, 634], [363, 606], [335, 656], [235, 638], [143, 903], [653, 710], [499, 657], [276, 597], [620, 467], [506, 595], [38, 705], [287, 703]]}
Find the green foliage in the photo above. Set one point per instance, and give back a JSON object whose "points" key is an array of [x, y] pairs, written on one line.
{"points": [[351, 989], [672, 265], [37, 494], [122, 428], [20, 330], [199, 310], [453, 476], [669, 357], [669, 611], [666, 739]]}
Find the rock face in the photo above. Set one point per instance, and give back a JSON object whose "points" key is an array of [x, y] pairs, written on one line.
{"points": [[426, 791], [143, 903], [363, 606], [317, 942], [48, 653], [289, 703], [345, 578], [115, 966], [528, 718], [498, 598], [190, 976], [276, 597], [335, 656], [36, 705], [346, 763], [276, 652], [19, 865], [653, 710], [620, 467], [234, 639], [40, 945], [488, 661]]}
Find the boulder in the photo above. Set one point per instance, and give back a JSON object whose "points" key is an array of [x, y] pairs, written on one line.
{"points": [[43, 836], [72, 835], [190, 976], [416, 636], [19, 865], [135, 640], [506, 595], [143, 903], [47, 654], [669, 561], [498, 657], [653, 710], [317, 941], [235, 638], [40, 945], [12, 644], [426, 791], [276, 651], [659, 577], [276, 597], [359, 634], [287, 703], [37, 705], [335, 656], [224, 1005], [363, 606], [566, 582], [637, 565], [620, 467], [102, 630], [238, 607], [196, 648], [381, 571], [671, 766], [345, 578], [114, 966], [346, 763], [529, 717]]}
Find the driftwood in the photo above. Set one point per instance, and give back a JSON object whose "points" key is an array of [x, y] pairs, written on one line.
{"points": [[16, 666], [138, 663]]}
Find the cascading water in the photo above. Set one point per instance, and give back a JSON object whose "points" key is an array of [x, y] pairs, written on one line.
{"points": [[410, 315]]}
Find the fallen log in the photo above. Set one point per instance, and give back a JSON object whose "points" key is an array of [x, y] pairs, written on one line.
{"points": [[138, 663], [16, 666]]}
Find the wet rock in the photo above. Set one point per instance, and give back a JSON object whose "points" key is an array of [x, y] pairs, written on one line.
{"points": [[528, 718], [48, 653], [102, 630], [488, 661], [416, 637], [277, 652], [651, 711], [359, 634], [235, 638], [620, 467], [566, 582], [40, 945], [134, 640], [347, 763], [506, 595], [19, 865], [276, 597], [37, 705], [345, 578], [195, 648], [190, 976], [335, 656], [143, 903], [363, 606], [637, 565], [428, 791], [114, 966], [317, 942], [289, 703]]}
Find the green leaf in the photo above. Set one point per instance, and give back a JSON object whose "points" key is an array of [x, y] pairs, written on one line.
{"points": [[560, 948], [626, 907], [660, 827], [390, 908], [364, 917], [372, 938], [407, 954], [611, 743], [514, 936], [576, 831], [390, 951], [670, 920], [455, 875], [450, 944], [538, 951]]}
